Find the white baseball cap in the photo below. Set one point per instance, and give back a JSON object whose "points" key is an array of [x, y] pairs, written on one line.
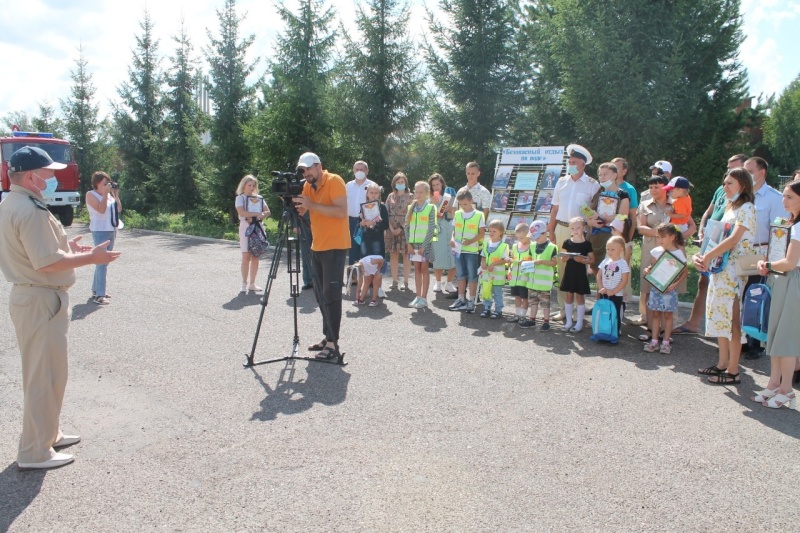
{"points": [[308, 159]]}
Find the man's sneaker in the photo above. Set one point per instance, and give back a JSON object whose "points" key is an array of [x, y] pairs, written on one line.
{"points": [[449, 287], [437, 286], [470, 307], [526, 323], [486, 313], [381, 294], [458, 305], [513, 318], [545, 326]]}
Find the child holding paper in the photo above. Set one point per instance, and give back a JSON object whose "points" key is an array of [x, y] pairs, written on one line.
{"points": [[540, 280], [420, 235], [518, 282], [577, 255], [663, 305], [469, 227]]}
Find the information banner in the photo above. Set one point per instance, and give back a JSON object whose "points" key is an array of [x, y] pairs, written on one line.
{"points": [[540, 155]]}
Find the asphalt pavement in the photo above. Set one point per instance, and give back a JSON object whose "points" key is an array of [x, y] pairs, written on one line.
{"points": [[440, 421]]}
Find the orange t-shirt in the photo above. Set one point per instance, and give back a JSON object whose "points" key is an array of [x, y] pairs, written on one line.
{"points": [[682, 210], [328, 233]]}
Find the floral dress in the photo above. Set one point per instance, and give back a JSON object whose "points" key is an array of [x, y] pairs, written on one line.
{"points": [[724, 286], [397, 206]]}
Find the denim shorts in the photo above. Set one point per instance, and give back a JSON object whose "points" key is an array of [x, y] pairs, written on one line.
{"points": [[467, 267]]}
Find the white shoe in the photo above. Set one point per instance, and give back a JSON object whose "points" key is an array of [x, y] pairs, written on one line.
{"points": [[66, 440], [254, 288], [59, 459], [381, 294], [414, 302], [244, 287], [421, 302], [449, 287], [437, 286]]}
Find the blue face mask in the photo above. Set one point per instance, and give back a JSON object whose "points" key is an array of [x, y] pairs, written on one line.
{"points": [[734, 198], [606, 184], [400, 186], [52, 185], [572, 169]]}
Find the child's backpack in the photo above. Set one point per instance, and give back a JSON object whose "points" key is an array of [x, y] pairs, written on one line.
{"points": [[604, 321], [257, 242], [755, 311]]}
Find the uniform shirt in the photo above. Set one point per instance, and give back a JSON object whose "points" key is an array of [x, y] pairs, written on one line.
{"points": [[357, 195], [329, 233], [570, 195], [31, 238], [769, 206], [481, 197]]}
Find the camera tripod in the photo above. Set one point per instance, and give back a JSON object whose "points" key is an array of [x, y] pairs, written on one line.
{"points": [[287, 240]]}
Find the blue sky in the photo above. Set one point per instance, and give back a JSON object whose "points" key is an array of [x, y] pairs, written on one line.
{"points": [[39, 41]]}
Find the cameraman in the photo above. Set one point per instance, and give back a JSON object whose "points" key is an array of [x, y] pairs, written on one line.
{"points": [[325, 199]]}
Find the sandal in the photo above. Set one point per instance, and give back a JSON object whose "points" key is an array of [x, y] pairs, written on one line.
{"points": [[681, 330], [328, 353], [711, 371], [725, 378], [101, 300], [319, 346]]}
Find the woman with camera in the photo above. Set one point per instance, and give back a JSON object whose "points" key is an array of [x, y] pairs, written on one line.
{"points": [[104, 207], [251, 208]]}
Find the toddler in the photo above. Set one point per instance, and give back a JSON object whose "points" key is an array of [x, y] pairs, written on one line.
{"points": [[681, 203], [618, 230], [494, 258], [613, 274], [368, 274], [540, 282], [518, 282]]}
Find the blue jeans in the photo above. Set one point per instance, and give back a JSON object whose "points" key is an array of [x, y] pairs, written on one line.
{"points": [[99, 283], [467, 267], [497, 297]]}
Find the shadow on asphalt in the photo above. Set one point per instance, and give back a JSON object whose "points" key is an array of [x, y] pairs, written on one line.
{"points": [[19, 489], [242, 300], [325, 384], [81, 311], [176, 241]]}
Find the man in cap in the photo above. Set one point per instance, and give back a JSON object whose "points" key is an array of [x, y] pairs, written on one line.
{"points": [[325, 199], [572, 192], [37, 258]]}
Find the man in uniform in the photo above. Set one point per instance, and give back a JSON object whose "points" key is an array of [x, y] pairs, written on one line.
{"points": [[37, 258]]}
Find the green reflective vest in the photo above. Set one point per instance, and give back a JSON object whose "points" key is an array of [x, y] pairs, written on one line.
{"points": [[541, 279], [464, 230], [418, 225], [498, 273], [519, 279]]}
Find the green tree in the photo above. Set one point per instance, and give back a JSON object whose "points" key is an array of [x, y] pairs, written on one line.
{"points": [[232, 102], [19, 119], [81, 122], [379, 85], [295, 114], [626, 86], [139, 122], [178, 188], [782, 130], [48, 121], [474, 69]]}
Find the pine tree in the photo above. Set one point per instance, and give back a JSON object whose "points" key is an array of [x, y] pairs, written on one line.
{"points": [[232, 101], [183, 151], [139, 122], [81, 121], [474, 69], [380, 84], [295, 115]]}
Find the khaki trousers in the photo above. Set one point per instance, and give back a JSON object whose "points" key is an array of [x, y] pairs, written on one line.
{"points": [[41, 320], [562, 234]]}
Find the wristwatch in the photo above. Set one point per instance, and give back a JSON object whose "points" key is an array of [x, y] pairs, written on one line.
{"points": [[768, 265]]}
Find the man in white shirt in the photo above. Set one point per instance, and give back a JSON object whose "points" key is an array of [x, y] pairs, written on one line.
{"points": [[481, 196], [356, 195], [573, 191]]}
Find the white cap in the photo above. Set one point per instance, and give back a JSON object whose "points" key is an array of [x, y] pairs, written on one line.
{"points": [[576, 150], [537, 228], [618, 224], [665, 166], [308, 159]]}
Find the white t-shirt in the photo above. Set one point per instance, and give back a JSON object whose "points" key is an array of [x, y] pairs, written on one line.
{"points": [[100, 221], [370, 264], [356, 195], [251, 204], [613, 271], [795, 235]]}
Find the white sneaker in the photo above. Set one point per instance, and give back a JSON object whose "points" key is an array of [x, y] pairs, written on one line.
{"points": [[244, 287], [421, 302], [381, 294], [59, 459], [449, 287], [414, 302], [437, 286]]}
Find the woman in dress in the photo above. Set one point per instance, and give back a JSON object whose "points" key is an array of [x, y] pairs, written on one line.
{"points": [[397, 206], [441, 248], [104, 206], [723, 315], [251, 207], [783, 339]]}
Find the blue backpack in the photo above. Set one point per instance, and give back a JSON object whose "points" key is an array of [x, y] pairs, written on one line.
{"points": [[755, 311], [604, 322]]}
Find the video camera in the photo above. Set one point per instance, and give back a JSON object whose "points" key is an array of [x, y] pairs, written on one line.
{"points": [[288, 184]]}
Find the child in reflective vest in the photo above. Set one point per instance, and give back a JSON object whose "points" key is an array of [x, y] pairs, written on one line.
{"points": [[540, 282], [518, 282], [420, 235], [494, 258], [469, 228]]}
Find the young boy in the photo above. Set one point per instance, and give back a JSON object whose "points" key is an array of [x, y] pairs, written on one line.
{"points": [[494, 258], [681, 203], [613, 274], [469, 228], [521, 251], [540, 281]]}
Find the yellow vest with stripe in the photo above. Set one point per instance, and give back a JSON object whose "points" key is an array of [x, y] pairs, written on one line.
{"points": [[418, 225], [466, 229], [541, 279], [519, 279], [498, 273]]}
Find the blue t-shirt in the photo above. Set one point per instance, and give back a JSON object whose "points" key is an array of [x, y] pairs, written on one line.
{"points": [[632, 195]]}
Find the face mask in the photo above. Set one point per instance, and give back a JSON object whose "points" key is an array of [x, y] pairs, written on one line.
{"points": [[606, 184], [50, 188], [572, 169], [734, 197], [400, 186], [360, 176]]}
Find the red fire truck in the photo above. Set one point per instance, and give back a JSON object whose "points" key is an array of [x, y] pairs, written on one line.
{"points": [[67, 196]]}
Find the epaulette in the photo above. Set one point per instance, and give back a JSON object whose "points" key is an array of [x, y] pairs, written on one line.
{"points": [[38, 203]]}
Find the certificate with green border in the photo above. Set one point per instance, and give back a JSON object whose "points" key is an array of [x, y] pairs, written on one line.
{"points": [[667, 269]]}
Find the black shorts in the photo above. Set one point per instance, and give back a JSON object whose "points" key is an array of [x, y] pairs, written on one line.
{"points": [[519, 290]]}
